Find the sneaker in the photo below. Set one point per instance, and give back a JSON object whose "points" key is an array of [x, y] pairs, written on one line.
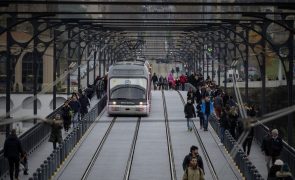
{"points": [[191, 129]]}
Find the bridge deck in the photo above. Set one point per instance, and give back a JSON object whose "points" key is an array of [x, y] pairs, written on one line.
{"points": [[151, 159]]}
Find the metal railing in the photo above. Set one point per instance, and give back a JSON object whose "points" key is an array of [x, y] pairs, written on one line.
{"points": [[247, 168], [30, 141], [55, 159]]}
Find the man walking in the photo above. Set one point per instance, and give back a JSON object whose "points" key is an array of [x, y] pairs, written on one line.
{"points": [[13, 151]]}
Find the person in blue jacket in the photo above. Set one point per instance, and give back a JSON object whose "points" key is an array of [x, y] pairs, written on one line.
{"points": [[207, 108]]}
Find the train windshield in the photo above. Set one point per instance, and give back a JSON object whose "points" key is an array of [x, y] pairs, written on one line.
{"points": [[128, 88]]}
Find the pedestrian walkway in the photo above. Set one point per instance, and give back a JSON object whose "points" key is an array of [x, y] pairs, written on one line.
{"points": [[43, 151]]}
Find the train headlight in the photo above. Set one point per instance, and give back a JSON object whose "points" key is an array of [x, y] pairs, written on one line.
{"points": [[114, 102], [140, 103]]}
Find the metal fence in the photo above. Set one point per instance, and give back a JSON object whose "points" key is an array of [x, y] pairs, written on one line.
{"points": [[55, 159], [30, 140], [245, 165]]}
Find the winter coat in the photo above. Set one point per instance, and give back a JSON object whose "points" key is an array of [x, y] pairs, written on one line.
{"points": [[282, 175], [84, 103], [276, 146], [182, 79], [66, 114], [75, 105], [187, 160], [155, 79], [13, 147], [203, 108], [56, 135], [189, 110], [224, 121], [266, 145], [193, 174]]}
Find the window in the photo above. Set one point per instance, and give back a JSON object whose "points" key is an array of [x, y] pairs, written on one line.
{"points": [[28, 76]]}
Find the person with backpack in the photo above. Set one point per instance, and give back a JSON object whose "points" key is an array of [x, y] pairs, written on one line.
{"points": [[193, 154], [193, 172]]}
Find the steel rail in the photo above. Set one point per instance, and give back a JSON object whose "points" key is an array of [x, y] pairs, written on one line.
{"points": [[169, 142], [98, 149], [132, 150]]}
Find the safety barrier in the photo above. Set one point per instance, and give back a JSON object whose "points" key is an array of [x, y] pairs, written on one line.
{"points": [[288, 152], [245, 165], [55, 159], [30, 141]]}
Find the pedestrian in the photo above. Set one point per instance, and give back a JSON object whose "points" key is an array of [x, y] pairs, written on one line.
{"points": [[193, 154], [84, 102], [155, 81], [190, 95], [233, 116], [99, 88], [224, 124], [284, 173], [193, 172], [66, 116], [75, 106], [274, 169], [200, 114], [265, 147], [248, 141], [276, 145], [56, 126], [13, 151], [207, 109], [24, 162], [218, 104], [189, 111]]}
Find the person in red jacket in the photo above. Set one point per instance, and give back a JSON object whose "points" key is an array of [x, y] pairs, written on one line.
{"points": [[182, 80]]}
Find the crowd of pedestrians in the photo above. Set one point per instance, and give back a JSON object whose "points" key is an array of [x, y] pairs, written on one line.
{"points": [[212, 103], [71, 113], [169, 82]]}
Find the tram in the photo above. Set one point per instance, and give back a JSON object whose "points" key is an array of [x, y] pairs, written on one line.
{"points": [[129, 88]]}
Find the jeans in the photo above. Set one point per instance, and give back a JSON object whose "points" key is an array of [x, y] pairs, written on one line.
{"points": [[189, 123], [206, 117], [75, 119]]}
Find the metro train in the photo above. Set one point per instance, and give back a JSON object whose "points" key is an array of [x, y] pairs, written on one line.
{"points": [[129, 88]]}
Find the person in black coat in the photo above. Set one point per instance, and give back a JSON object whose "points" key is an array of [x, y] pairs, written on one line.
{"points": [[189, 111], [84, 101], [13, 151], [224, 124], [66, 115]]}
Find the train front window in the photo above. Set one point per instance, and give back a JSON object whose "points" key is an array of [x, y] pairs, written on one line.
{"points": [[128, 88]]}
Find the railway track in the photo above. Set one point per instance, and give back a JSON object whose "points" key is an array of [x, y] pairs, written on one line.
{"points": [[169, 142]]}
